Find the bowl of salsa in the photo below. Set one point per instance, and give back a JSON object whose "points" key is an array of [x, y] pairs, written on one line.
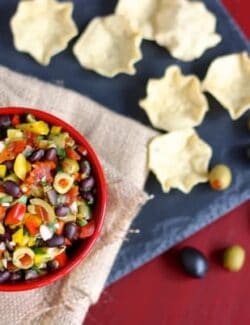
{"points": [[52, 198]]}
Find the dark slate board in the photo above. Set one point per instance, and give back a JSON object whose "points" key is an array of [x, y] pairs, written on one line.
{"points": [[167, 219]]}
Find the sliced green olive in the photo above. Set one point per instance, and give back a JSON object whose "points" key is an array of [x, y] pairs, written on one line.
{"points": [[70, 166], [23, 258], [220, 177], [63, 182]]}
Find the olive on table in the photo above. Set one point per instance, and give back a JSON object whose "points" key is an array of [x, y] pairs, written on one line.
{"points": [[62, 210], [56, 240], [87, 184], [51, 154], [193, 262], [234, 258], [4, 276], [5, 120], [220, 177], [70, 230], [12, 188], [36, 155]]}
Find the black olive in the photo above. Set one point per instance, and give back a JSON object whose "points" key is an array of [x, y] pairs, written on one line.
{"points": [[193, 262]]}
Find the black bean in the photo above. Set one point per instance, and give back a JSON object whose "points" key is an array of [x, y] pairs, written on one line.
{"points": [[36, 155], [9, 164], [5, 120], [15, 276], [4, 276], [61, 210], [52, 197], [51, 154], [53, 265], [85, 167], [193, 262], [30, 274], [88, 197], [87, 184], [70, 230], [56, 240], [3, 133], [12, 188]]}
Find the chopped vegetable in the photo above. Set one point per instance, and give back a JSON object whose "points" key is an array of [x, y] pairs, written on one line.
{"points": [[20, 166], [3, 170], [16, 214], [63, 182], [23, 258], [44, 197], [55, 130], [38, 127]]}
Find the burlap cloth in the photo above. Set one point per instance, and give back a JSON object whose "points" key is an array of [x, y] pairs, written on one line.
{"points": [[121, 145]]}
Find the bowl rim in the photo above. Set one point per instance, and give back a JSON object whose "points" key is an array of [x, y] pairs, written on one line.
{"points": [[101, 207]]}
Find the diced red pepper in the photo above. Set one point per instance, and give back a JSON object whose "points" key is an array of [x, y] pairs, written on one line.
{"points": [[72, 195], [61, 259], [12, 150], [87, 231], [26, 260], [83, 151], [2, 212], [32, 223], [15, 120], [16, 214], [72, 154]]}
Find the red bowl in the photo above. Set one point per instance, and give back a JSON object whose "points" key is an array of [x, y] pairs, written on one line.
{"points": [[82, 250]]}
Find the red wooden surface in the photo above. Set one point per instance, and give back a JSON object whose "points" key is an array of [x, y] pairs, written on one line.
{"points": [[160, 294]]}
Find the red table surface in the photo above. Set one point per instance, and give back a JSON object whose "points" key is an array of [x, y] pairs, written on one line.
{"points": [[160, 294]]}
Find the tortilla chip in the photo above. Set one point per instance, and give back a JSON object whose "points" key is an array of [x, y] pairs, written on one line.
{"points": [[43, 28], [180, 160], [185, 28], [175, 101], [141, 13], [228, 80], [109, 45]]}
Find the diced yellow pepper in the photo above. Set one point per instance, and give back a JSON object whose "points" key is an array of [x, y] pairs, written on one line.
{"points": [[19, 238], [39, 127], [3, 170], [20, 166], [14, 134], [32, 241], [55, 130]]}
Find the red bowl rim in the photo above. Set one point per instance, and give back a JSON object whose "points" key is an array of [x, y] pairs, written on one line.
{"points": [[101, 206]]}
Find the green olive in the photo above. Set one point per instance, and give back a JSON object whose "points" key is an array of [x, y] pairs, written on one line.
{"points": [[220, 177], [70, 166], [234, 258]]}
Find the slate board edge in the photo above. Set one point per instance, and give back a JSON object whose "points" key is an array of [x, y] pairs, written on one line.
{"points": [[144, 257]]}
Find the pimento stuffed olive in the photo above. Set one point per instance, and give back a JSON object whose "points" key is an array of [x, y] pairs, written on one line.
{"points": [[47, 191]]}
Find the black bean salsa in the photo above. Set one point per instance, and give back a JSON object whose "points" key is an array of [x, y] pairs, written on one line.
{"points": [[46, 193]]}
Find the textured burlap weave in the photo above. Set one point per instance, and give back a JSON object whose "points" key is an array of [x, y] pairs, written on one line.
{"points": [[121, 145]]}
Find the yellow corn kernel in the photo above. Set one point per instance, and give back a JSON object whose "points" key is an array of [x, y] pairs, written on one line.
{"points": [[55, 130], [3, 170]]}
